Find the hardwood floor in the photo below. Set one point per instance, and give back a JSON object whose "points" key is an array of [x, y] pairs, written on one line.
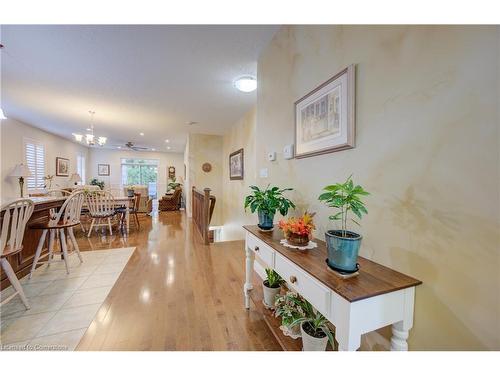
{"points": [[175, 293]]}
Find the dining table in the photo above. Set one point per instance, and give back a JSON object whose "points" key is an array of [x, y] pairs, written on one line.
{"points": [[126, 201]]}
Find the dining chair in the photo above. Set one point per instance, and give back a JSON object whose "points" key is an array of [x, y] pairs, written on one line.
{"points": [[134, 211], [101, 205], [15, 217], [61, 223]]}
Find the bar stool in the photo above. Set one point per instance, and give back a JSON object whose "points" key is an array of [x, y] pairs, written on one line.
{"points": [[67, 217], [15, 217]]}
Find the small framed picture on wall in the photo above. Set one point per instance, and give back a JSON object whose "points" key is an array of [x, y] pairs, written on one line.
{"points": [[236, 165], [62, 167], [103, 169]]}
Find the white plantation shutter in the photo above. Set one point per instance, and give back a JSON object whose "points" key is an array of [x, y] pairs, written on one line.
{"points": [[80, 168], [35, 160]]}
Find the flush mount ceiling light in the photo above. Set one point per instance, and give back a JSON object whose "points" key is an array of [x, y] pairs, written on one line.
{"points": [[141, 134], [167, 140], [245, 83]]}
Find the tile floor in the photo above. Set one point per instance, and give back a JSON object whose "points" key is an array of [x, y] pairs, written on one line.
{"points": [[62, 306]]}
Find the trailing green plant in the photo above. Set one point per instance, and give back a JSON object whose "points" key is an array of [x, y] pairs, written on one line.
{"points": [[289, 307], [269, 200], [273, 279], [345, 197], [96, 182], [316, 322]]}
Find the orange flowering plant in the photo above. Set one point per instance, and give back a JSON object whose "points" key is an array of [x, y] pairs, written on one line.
{"points": [[302, 226]]}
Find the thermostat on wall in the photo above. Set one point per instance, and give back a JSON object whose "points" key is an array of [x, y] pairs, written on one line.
{"points": [[288, 152]]}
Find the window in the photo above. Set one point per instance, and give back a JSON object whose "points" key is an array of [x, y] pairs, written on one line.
{"points": [[34, 154], [80, 168], [140, 172]]}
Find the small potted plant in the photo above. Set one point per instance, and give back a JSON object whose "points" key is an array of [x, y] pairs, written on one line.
{"points": [[271, 285], [96, 182], [266, 203], [314, 329], [342, 244], [289, 308], [130, 191], [298, 230]]}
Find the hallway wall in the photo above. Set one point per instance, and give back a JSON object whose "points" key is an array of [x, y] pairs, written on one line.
{"points": [[427, 150]]}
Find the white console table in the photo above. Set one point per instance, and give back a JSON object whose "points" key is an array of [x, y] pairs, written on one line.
{"points": [[377, 297]]}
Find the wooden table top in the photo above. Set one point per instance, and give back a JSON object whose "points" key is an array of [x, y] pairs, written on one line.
{"points": [[373, 279]]}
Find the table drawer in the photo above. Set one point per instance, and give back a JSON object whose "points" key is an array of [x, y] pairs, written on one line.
{"points": [[311, 289], [261, 250]]}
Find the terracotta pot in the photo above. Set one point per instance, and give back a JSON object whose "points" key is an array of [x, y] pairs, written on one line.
{"points": [[297, 239]]}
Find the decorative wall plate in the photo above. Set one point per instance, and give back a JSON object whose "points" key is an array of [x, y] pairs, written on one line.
{"points": [[207, 167]]}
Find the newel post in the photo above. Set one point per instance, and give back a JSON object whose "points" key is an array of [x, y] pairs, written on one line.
{"points": [[206, 215]]}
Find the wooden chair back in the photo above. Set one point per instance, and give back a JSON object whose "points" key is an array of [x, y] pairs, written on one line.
{"points": [[137, 201], [71, 210], [16, 215], [100, 202]]}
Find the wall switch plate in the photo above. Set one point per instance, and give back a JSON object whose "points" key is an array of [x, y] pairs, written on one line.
{"points": [[263, 173], [288, 152], [271, 156]]}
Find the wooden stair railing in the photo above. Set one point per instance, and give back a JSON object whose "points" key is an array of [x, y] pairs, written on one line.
{"points": [[203, 205]]}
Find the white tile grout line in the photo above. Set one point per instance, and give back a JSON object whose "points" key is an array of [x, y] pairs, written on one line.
{"points": [[77, 290]]}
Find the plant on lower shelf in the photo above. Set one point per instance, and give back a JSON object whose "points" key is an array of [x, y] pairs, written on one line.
{"points": [[271, 286], [343, 245], [315, 329], [298, 230], [289, 308], [266, 202]]}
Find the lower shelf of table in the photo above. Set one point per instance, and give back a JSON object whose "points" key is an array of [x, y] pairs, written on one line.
{"points": [[274, 323]]}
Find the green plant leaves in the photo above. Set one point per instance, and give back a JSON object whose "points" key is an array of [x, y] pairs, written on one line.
{"points": [[269, 200], [345, 197]]}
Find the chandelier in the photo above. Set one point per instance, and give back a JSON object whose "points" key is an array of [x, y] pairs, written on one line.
{"points": [[90, 138]]}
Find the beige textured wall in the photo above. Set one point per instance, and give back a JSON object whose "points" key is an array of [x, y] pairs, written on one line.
{"points": [[427, 150], [241, 135], [12, 153], [204, 148]]}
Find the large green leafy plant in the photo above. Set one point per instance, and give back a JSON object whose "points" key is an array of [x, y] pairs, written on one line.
{"points": [[314, 323], [346, 197], [268, 200]]}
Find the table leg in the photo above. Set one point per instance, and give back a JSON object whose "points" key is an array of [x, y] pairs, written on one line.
{"points": [[400, 330], [127, 217], [248, 276]]}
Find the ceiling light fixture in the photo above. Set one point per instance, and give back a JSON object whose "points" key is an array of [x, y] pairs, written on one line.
{"points": [[153, 149], [246, 83], [141, 134], [167, 140], [168, 148], [89, 137]]}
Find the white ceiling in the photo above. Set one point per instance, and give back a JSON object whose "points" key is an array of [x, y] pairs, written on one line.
{"points": [[151, 79]]}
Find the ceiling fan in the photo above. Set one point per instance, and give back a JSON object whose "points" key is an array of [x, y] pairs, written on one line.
{"points": [[130, 145]]}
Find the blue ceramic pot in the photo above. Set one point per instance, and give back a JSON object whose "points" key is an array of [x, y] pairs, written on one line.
{"points": [[265, 220], [343, 251]]}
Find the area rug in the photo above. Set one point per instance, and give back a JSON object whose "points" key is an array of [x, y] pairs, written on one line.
{"points": [[62, 306]]}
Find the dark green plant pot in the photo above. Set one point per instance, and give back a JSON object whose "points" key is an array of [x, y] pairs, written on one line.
{"points": [[265, 220], [343, 251], [130, 193]]}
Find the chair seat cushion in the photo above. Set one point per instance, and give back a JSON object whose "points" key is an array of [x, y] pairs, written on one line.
{"points": [[103, 214]]}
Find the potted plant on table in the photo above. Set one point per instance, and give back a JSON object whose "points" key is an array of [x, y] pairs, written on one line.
{"points": [[314, 328], [96, 182], [342, 244], [289, 308], [266, 203], [298, 230], [130, 190], [271, 285]]}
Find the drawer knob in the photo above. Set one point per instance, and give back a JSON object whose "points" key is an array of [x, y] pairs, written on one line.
{"points": [[293, 279], [256, 248]]}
